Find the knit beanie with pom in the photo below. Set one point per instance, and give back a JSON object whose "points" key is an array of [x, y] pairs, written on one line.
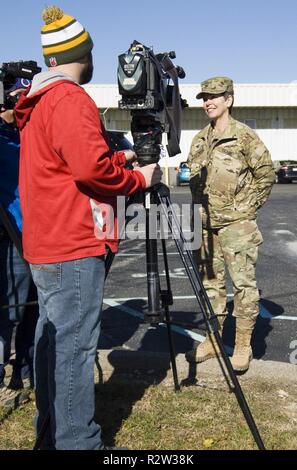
{"points": [[64, 39]]}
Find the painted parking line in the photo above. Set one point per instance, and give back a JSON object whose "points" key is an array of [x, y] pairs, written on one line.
{"points": [[136, 313], [177, 329], [264, 313], [117, 304]]}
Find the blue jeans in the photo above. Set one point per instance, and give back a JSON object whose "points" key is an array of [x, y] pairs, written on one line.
{"points": [[70, 297], [15, 281]]}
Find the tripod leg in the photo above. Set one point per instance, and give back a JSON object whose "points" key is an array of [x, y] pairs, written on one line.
{"points": [[154, 314], [158, 300], [206, 308], [167, 299], [108, 262], [171, 349]]}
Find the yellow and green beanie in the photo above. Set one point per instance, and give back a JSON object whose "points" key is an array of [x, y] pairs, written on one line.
{"points": [[64, 39]]}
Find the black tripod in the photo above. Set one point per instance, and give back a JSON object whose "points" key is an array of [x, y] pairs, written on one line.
{"points": [[160, 300]]}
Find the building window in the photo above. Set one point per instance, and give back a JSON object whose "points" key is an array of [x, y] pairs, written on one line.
{"points": [[252, 123]]}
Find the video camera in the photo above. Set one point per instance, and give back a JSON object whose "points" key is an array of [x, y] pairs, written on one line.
{"points": [[8, 73], [155, 105]]}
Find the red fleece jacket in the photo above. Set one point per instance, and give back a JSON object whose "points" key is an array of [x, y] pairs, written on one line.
{"points": [[67, 174]]}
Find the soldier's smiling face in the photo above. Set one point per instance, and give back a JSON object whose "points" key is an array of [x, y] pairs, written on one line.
{"points": [[216, 106]]}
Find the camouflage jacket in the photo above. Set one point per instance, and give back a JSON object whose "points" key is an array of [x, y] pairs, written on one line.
{"points": [[231, 176]]}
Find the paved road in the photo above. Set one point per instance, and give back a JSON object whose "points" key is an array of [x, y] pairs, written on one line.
{"points": [[276, 329]]}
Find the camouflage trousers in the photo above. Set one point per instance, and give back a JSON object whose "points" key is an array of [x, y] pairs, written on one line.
{"points": [[234, 247]]}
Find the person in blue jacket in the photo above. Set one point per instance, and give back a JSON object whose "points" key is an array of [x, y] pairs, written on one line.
{"points": [[15, 278]]}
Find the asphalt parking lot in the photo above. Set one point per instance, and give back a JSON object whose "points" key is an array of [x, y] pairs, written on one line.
{"points": [[275, 336]]}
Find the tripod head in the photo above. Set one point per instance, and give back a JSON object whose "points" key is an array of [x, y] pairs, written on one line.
{"points": [[147, 136]]}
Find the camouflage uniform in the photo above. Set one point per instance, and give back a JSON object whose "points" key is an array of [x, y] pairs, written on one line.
{"points": [[231, 177]]}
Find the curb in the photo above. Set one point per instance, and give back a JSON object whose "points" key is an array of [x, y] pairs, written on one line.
{"points": [[118, 362]]}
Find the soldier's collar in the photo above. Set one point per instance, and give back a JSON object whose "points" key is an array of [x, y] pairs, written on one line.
{"points": [[229, 133], [204, 132], [231, 130]]}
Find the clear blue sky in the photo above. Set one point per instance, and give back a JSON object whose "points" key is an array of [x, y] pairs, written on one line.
{"points": [[252, 41]]}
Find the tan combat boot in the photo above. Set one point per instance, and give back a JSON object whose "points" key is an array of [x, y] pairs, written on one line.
{"points": [[243, 352], [204, 351]]}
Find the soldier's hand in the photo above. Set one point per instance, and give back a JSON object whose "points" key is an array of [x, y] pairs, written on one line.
{"points": [[152, 174]]}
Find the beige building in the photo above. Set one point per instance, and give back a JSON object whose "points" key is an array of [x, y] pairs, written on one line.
{"points": [[270, 109]]}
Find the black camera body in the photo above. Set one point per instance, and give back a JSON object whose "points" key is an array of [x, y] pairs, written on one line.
{"points": [[138, 80], [155, 105], [8, 73]]}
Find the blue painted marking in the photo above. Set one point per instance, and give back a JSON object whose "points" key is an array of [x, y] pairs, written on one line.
{"points": [[264, 313], [177, 329]]}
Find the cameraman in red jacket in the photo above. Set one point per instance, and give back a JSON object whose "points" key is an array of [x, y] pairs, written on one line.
{"points": [[67, 172]]}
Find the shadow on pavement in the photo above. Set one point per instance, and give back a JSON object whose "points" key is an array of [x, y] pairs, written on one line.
{"points": [[130, 337], [115, 400]]}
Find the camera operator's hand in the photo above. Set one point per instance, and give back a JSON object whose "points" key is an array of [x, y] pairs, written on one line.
{"points": [[7, 114], [130, 155], [152, 174]]}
